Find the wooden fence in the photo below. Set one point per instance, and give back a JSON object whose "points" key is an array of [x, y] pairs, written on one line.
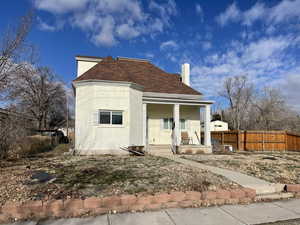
{"points": [[258, 140]]}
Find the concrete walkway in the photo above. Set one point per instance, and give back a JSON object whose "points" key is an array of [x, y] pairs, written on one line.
{"points": [[261, 186], [225, 215]]}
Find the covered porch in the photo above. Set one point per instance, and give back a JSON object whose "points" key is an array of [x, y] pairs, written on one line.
{"points": [[174, 125]]}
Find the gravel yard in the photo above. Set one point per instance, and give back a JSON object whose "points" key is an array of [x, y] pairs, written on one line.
{"points": [[57, 176], [273, 167]]}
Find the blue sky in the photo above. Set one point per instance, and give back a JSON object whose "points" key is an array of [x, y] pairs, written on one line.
{"points": [[259, 39]]}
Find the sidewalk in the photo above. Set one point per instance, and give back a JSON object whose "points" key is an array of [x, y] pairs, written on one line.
{"points": [[225, 215], [261, 186]]}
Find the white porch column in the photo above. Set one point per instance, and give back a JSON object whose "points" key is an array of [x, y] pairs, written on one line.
{"points": [[176, 116], [207, 118], [145, 125]]}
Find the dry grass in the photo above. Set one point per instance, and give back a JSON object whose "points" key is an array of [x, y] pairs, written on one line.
{"points": [[76, 176], [31, 145], [274, 167]]}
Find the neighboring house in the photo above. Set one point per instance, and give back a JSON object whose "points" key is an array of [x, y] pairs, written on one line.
{"points": [[217, 125], [130, 102]]}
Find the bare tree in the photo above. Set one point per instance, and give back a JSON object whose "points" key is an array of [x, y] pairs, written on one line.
{"points": [[270, 108], [12, 46], [238, 92], [262, 109], [40, 95]]}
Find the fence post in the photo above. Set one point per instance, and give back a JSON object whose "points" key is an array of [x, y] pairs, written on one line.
{"points": [[286, 141], [263, 140], [238, 140], [222, 137]]}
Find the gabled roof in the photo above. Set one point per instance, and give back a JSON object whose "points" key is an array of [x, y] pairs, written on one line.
{"points": [[141, 72]]}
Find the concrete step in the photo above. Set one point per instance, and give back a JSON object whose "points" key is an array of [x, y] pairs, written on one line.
{"points": [[274, 196], [161, 153], [160, 150], [160, 147]]}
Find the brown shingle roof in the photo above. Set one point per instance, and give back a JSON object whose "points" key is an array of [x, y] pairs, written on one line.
{"points": [[141, 72]]}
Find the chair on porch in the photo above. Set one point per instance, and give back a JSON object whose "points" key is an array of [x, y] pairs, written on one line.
{"points": [[185, 138]]}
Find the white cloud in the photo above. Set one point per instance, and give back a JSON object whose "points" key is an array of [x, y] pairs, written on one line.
{"points": [[106, 22], [149, 55], [206, 45], [284, 11], [165, 10], [199, 11], [263, 62], [106, 36], [60, 6], [168, 45], [127, 31], [231, 14], [254, 13], [45, 26]]}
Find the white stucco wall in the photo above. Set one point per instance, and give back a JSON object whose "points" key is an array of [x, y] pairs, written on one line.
{"points": [[156, 112], [217, 125], [92, 138], [136, 117], [83, 66]]}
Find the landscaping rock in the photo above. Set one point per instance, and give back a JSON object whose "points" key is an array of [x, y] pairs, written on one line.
{"points": [[41, 176]]}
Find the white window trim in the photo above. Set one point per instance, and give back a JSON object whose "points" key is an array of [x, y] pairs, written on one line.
{"points": [[110, 125]]}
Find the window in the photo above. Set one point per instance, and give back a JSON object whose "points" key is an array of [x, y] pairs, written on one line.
{"points": [[117, 118], [105, 117], [110, 117], [182, 124], [168, 123]]}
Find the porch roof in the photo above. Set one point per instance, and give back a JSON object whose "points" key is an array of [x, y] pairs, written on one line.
{"points": [[181, 101]]}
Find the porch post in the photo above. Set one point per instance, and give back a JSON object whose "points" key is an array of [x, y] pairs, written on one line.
{"points": [[176, 117], [207, 137], [145, 125]]}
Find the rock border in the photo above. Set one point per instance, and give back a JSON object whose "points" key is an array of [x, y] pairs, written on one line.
{"points": [[13, 211], [293, 188]]}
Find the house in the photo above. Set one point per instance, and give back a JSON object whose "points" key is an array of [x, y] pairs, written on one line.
{"points": [[217, 125], [123, 102]]}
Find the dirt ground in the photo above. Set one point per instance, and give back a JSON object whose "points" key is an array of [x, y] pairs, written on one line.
{"points": [[54, 175], [274, 167]]}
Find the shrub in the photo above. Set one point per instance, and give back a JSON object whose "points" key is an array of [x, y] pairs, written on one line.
{"points": [[32, 145]]}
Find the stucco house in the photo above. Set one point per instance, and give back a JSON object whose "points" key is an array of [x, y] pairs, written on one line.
{"points": [[122, 102]]}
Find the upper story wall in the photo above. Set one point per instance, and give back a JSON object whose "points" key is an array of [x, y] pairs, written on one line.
{"points": [[85, 63]]}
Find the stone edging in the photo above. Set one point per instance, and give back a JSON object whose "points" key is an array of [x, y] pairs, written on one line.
{"points": [[294, 188], [12, 211]]}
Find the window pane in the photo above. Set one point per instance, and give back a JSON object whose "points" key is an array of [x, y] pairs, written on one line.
{"points": [[104, 117], [117, 118], [166, 123], [182, 124]]}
